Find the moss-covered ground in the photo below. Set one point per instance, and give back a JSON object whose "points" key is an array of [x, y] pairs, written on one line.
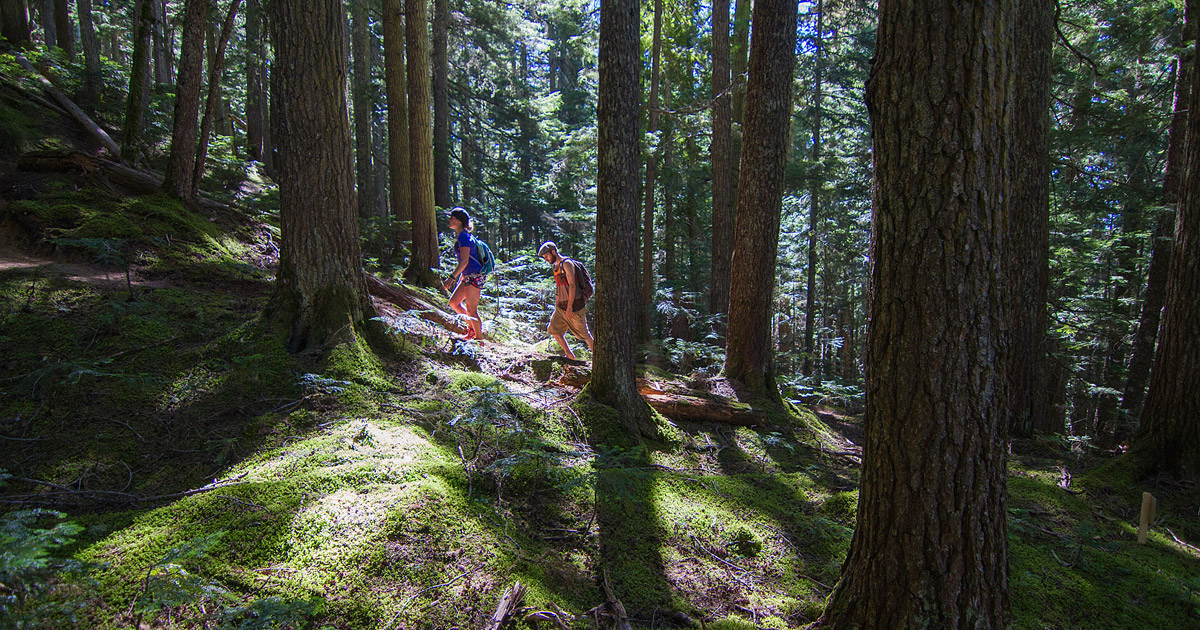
{"points": [[221, 482]]}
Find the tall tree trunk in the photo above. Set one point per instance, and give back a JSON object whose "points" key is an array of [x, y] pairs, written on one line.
{"points": [[1029, 262], [424, 261], [320, 295], [397, 120], [739, 52], [750, 350], [930, 549], [158, 38], [441, 105], [213, 100], [255, 97], [139, 81], [182, 158], [14, 23], [49, 35], [722, 165], [360, 29], [1169, 437], [648, 243], [613, 377], [1142, 353], [169, 44], [379, 141], [814, 193], [91, 51], [64, 32]]}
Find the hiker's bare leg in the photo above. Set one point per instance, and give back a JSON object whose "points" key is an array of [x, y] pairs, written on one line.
{"points": [[472, 304], [562, 342], [459, 296]]}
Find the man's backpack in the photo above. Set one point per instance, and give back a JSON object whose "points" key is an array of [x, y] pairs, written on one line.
{"points": [[487, 262], [583, 284]]}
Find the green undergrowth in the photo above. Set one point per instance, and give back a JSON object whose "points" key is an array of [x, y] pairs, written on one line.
{"points": [[154, 233], [365, 491], [1073, 553]]}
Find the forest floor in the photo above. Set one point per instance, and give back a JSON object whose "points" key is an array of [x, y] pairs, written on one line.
{"points": [[202, 477]]}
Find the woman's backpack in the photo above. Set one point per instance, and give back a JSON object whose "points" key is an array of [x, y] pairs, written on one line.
{"points": [[486, 261]]}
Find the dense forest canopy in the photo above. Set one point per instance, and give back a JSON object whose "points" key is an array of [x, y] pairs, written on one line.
{"points": [[786, 205]]}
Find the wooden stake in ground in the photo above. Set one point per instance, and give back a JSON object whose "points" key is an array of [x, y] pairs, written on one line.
{"points": [[509, 603], [1149, 503]]}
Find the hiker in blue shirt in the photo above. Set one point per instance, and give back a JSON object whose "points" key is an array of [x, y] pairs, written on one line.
{"points": [[465, 298]]}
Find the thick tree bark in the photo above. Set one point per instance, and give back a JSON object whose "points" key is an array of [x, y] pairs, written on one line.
{"points": [[49, 35], [91, 51], [213, 100], [1169, 436], [1142, 353], [159, 44], [722, 166], [256, 113], [397, 121], [613, 378], [441, 105], [930, 549], [139, 81], [182, 158], [648, 241], [424, 260], [360, 28], [814, 195], [320, 295], [1029, 266], [64, 32], [749, 349], [14, 23]]}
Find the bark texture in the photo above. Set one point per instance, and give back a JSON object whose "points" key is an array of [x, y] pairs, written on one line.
{"points": [[424, 260], [722, 167], [91, 51], [397, 120], [1169, 436], [320, 293], [930, 549], [14, 23], [441, 105], [360, 28], [182, 159], [139, 81], [648, 241], [750, 349], [613, 377], [1029, 261], [1142, 354]]}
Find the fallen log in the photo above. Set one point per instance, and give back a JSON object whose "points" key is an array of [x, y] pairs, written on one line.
{"points": [[698, 409], [83, 119], [405, 299], [510, 602]]}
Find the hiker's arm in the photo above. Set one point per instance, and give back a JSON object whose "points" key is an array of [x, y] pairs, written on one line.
{"points": [[464, 256]]}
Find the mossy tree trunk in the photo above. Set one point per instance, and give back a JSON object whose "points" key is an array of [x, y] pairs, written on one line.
{"points": [[439, 60], [182, 158], [930, 548], [320, 295], [139, 81], [749, 348], [1169, 437], [424, 261], [397, 119], [614, 381]]}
